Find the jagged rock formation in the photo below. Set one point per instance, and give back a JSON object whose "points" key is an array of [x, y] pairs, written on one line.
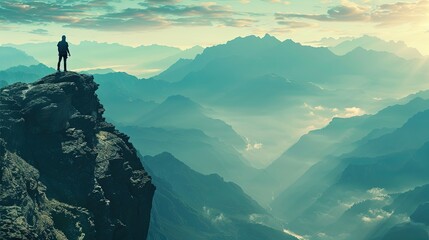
{"points": [[65, 173]]}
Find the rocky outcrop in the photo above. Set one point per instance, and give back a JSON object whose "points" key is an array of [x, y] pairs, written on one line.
{"points": [[65, 173]]}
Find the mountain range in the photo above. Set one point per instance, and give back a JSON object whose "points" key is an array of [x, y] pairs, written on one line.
{"points": [[142, 61], [263, 76], [269, 139], [206, 206], [230, 80], [359, 188], [339, 137], [11, 57], [373, 43]]}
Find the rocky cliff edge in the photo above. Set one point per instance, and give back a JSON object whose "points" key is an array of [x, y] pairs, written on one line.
{"points": [[65, 173]]}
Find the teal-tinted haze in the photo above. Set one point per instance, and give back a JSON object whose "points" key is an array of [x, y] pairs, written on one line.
{"points": [[186, 23]]}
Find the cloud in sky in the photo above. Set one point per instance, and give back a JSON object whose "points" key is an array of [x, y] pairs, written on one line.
{"points": [[39, 31], [295, 24], [402, 12], [279, 1], [131, 15], [3, 27], [160, 16], [37, 12], [213, 21], [384, 14], [162, 1], [245, 1], [103, 15]]}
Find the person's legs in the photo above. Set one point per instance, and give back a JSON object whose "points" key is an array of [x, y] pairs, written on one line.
{"points": [[59, 62], [65, 64]]}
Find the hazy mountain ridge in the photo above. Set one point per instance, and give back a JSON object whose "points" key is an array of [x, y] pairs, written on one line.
{"points": [[342, 180], [187, 114], [202, 153], [373, 43], [11, 57], [143, 61], [341, 184], [25, 74], [339, 137], [235, 79], [209, 207], [210, 146]]}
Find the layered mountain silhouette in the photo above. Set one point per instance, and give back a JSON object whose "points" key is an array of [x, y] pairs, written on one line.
{"points": [[373, 43], [275, 79], [364, 192], [25, 74], [362, 174], [141, 61], [202, 153], [121, 89], [188, 204], [181, 112], [65, 172], [339, 137], [222, 67], [11, 57], [182, 127], [253, 75]]}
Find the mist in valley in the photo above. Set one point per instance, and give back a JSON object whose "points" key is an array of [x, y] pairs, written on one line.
{"points": [[259, 138]]}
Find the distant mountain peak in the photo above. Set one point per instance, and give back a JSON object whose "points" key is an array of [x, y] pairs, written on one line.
{"points": [[368, 42], [267, 38], [290, 42], [267, 35], [359, 50], [180, 101], [178, 97], [369, 37], [36, 67], [270, 37], [363, 53], [10, 56]]}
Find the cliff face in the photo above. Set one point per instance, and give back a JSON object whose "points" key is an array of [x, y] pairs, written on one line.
{"points": [[65, 173]]}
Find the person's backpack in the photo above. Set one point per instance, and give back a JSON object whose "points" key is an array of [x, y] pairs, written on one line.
{"points": [[62, 48]]}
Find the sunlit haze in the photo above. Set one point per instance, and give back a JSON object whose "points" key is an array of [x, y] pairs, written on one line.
{"points": [[186, 23], [214, 120]]}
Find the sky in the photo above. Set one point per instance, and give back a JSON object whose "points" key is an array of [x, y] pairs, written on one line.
{"points": [[186, 23]]}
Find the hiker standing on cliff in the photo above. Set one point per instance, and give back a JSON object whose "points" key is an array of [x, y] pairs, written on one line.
{"points": [[63, 52]]}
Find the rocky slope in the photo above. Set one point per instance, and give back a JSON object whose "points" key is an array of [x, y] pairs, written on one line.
{"points": [[65, 173]]}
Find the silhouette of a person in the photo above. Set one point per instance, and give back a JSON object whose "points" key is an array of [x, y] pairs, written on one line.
{"points": [[63, 51]]}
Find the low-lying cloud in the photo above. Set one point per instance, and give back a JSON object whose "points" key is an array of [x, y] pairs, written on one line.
{"points": [[378, 194], [328, 112], [214, 216], [376, 215], [252, 146], [351, 112]]}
